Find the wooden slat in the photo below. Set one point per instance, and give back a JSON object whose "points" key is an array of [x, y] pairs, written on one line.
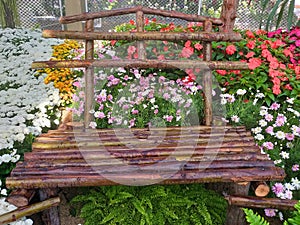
{"points": [[162, 167], [226, 175]]}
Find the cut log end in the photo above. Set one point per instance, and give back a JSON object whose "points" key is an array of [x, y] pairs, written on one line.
{"points": [[261, 189]]}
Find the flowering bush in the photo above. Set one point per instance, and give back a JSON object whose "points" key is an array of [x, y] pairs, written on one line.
{"points": [[63, 78], [273, 59], [136, 99], [28, 106]]}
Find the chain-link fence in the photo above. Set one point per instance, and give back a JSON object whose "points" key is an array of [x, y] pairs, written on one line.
{"points": [[45, 13]]}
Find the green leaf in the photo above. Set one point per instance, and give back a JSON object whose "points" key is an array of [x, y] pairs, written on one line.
{"points": [[272, 13], [290, 14], [138, 205], [280, 14]]}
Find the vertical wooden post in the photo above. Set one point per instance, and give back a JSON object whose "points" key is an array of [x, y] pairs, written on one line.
{"points": [[50, 216], [89, 77], [207, 78], [236, 216], [140, 28], [228, 14]]}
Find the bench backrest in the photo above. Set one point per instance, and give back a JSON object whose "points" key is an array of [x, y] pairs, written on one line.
{"points": [[226, 22]]}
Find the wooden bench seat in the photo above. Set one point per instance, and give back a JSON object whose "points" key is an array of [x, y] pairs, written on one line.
{"points": [[66, 158]]}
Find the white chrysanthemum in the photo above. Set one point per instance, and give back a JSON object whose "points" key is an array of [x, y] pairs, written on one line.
{"points": [[280, 135], [241, 92], [259, 137], [256, 130], [284, 155], [296, 183], [263, 123]]}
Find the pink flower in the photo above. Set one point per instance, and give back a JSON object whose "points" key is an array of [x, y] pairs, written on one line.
{"points": [[280, 120], [166, 96], [253, 63], [155, 111], [295, 167], [277, 188], [198, 46], [134, 111], [270, 212], [275, 106], [269, 130], [132, 122], [289, 136], [268, 145], [268, 117], [168, 118], [250, 55], [187, 52], [230, 49]]}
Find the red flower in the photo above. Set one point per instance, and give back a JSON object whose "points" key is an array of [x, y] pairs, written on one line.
{"points": [[274, 64], [253, 63], [198, 46], [251, 44], [221, 72], [154, 20], [276, 89], [288, 87], [261, 32], [230, 49], [146, 21], [131, 22], [249, 34], [187, 44], [250, 55], [161, 57], [187, 52], [287, 52], [113, 42]]}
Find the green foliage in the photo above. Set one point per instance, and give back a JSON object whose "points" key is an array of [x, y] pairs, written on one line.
{"points": [[254, 218], [295, 220], [171, 204]]}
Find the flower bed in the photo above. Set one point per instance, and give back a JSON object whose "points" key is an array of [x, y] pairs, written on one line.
{"points": [[28, 106]]}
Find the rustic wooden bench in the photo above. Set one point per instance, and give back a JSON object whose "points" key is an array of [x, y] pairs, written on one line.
{"points": [[79, 156]]}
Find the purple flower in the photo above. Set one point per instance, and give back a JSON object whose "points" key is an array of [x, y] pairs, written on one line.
{"points": [[166, 96], [270, 212], [295, 167], [277, 188], [132, 122], [275, 106]]}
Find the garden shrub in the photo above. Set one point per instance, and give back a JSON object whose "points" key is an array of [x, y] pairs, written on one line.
{"points": [[168, 204]]}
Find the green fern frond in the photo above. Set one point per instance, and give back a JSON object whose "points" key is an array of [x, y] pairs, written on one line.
{"points": [[254, 218]]}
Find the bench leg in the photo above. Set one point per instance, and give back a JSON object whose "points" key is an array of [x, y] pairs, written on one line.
{"points": [[235, 216], [49, 216]]}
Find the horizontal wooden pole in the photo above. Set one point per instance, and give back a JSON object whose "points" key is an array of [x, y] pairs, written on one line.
{"points": [[228, 175], [145, 10], [28, 210], [140, 36], [160, 64], [256, 202]]}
